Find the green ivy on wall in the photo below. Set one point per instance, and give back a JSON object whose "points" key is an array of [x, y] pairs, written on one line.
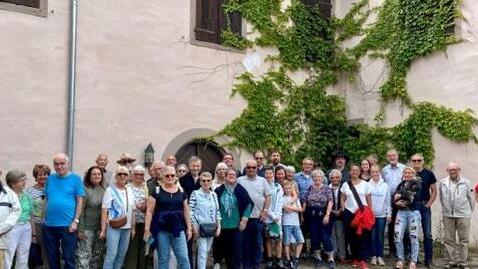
{"points": [[303, 120]]}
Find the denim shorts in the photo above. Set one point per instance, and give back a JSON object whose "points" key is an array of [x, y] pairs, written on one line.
{"points": [[292, 233]]}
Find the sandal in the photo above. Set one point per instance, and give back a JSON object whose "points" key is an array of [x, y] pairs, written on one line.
{"points": [[399, 265]]}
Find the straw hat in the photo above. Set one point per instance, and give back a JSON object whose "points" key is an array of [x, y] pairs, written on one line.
{"points": [[125, 158]]}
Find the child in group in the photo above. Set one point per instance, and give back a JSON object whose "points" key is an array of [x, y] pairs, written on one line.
{"points": [[273, 222], [291, 225]]}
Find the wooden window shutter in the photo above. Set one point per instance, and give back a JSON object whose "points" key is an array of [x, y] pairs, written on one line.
{"points": [[27, 3], [235, 17], [324, 6], [207, 20]]}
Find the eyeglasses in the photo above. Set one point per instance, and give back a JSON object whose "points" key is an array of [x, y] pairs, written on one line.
{"points": [[417, 160], [251, 167], [181, 171], [169, 176], [139, 174], [259, 158], [60, 163], [122, 174], [206, 180]]}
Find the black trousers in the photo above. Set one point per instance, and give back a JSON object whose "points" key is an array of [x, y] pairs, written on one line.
{"points": [[392, 250], [228, 246], [359, 244]]}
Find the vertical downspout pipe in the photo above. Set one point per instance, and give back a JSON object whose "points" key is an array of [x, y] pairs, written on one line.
{"points": [[70, 136]]}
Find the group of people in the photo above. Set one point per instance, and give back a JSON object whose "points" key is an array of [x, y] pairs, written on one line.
{"points": [[263, 213]]}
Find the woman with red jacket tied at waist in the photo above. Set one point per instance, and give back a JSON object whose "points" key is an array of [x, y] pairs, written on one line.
{"points": [[359, 244]]}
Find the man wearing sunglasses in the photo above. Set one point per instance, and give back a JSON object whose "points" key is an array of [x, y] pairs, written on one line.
{"points": [[259, 191], [261, 168], [426, 198]]}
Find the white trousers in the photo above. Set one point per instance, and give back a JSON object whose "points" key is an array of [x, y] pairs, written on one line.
{"points": [[19, 240]]}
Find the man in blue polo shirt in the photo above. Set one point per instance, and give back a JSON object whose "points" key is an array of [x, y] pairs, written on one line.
{"points": [[64, 196]]}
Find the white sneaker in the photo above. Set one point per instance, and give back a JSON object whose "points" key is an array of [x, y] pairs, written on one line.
{"points": [[216, 266], [380, 261], [373, 261]]}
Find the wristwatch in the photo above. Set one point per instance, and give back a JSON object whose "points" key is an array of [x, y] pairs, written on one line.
{"points": [[76, 221]]}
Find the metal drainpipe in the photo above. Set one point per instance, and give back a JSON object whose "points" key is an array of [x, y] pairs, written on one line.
{"points": [[70, 138]]}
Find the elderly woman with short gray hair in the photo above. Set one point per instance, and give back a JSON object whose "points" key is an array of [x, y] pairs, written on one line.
{"points": [[136, 250], [338, 232], [20, 236], [317, 207], [205, 217]]}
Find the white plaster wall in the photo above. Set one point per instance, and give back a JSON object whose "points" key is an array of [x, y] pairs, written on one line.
{"points": [[139, 80]]}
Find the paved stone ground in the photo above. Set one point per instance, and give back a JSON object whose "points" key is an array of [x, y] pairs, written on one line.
{"points": [[390, 263]]}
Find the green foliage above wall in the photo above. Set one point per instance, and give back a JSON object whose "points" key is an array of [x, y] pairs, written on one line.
{"points": [[303, 120]]}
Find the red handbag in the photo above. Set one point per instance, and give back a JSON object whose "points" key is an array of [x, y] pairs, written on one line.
{"points": [[363, 217]]}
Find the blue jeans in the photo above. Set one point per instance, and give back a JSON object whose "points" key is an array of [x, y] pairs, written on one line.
{"points": [[166, 241], [252, 244], [292, 232], [378, 235], [319, 233], [117, 241], [426, 214], [52, 236], [411, 220]]}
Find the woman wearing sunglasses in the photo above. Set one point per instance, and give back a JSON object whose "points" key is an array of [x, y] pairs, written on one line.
{"points": [[167, 220], [117, 219], [205, 217]]}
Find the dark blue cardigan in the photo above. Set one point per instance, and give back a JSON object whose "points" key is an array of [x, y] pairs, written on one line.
{"points": [[243, 199]]}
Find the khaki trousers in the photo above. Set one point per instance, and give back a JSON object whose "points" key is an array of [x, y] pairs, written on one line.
{"points": [[457, 252], [2, 254]]}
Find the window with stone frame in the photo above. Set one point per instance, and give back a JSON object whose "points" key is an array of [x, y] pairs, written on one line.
{"points": [[31, 7], [211, 20]]}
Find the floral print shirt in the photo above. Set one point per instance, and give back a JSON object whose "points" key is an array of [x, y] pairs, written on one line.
{"points": [[319, 196]]}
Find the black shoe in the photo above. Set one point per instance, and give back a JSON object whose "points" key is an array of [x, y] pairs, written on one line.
{"points": [[295, 262], [281, 264], [269, 264], [331, 264], [318, 263]]}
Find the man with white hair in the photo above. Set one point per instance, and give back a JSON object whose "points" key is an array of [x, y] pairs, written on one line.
{"points": [[155, 172], [456, 198], [102, 161], [64, 197]]}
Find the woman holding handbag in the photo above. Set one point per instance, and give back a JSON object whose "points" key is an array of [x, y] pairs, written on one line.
{"points": [[356, 194], [205, 217], [117, 219]]}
